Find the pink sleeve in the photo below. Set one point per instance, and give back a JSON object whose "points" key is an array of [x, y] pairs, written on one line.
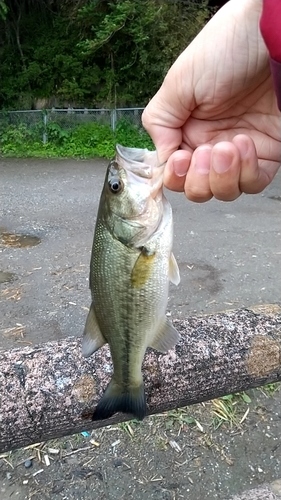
{"points": [[270, 26]]}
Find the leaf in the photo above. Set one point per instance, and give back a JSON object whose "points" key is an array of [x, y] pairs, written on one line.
{"points": [[189, 420], [229, 397], [246, 398]]}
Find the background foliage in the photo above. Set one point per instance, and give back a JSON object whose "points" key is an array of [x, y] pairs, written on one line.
{"points": [[91, 53], [86, 140]]}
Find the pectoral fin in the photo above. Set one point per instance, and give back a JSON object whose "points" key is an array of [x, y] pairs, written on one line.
{"points": [[92, 336], [174, 273], [143, 268], [166, 337]]}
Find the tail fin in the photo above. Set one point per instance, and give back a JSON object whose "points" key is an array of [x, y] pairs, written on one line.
{"points": [[125, 400]]}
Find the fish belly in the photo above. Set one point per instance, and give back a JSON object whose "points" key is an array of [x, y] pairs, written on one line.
{"points": [[128, 314]]}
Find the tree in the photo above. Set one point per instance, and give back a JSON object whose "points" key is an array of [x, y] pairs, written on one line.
{"points": [[91, 52]]}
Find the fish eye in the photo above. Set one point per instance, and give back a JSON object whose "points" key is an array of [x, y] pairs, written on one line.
{"points": [[115, 185]]}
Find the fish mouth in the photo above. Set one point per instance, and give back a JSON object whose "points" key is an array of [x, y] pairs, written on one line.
{"points": [[139, 161], [144, 164]]}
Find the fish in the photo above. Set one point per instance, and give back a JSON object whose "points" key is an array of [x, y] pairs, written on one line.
{"points": [[131, 265]]}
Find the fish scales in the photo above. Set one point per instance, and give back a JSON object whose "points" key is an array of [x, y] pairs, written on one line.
{"points": [[129, 279], [130, 312]]}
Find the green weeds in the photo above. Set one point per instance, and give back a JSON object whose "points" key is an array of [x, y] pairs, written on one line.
{"points": [[270, 389], [84, 141]]}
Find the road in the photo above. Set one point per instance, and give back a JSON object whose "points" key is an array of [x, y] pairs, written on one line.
{"points": [[228, 253]]}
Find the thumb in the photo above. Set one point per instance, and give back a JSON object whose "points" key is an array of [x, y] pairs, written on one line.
{"points": [[165, 115], [166, 139]]}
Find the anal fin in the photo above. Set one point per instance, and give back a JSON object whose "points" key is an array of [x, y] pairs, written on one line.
{"points": [[166, 337], [93, 339]]}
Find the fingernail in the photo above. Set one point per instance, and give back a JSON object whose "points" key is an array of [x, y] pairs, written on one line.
{"points": [[202, 160], [221, 161], [180, 167]]}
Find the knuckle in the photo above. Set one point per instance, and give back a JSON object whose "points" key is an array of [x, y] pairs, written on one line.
{"points": [[227, 190], [197, 193], [224, 197]]}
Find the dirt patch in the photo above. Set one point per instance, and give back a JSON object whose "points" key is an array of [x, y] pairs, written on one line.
{"points": [[208, 451]]}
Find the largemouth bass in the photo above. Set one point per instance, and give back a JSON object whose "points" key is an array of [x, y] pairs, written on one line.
{"points": [[131, 265]]}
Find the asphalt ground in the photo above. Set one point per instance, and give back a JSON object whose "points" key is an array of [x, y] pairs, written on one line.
{"points": [[228, 253]]}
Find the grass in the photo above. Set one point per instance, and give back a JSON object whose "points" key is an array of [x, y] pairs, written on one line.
{"points": [[129, 427], [270, 389], [228, 409], [85, 141]]}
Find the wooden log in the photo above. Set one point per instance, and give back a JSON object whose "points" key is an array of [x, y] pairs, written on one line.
{"points": [[50, 390]]}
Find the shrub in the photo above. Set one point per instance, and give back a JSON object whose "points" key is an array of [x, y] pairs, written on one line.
{"points": [[84, 141]]}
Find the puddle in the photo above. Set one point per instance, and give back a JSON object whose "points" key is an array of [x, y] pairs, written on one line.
{"points": [[18, 240], [6, 277]]}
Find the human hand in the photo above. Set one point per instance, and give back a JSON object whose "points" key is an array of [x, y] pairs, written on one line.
{"points": [[215, 119]]}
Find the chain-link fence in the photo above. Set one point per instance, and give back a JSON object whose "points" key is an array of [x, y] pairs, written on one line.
{"points": [[38, 121]]}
